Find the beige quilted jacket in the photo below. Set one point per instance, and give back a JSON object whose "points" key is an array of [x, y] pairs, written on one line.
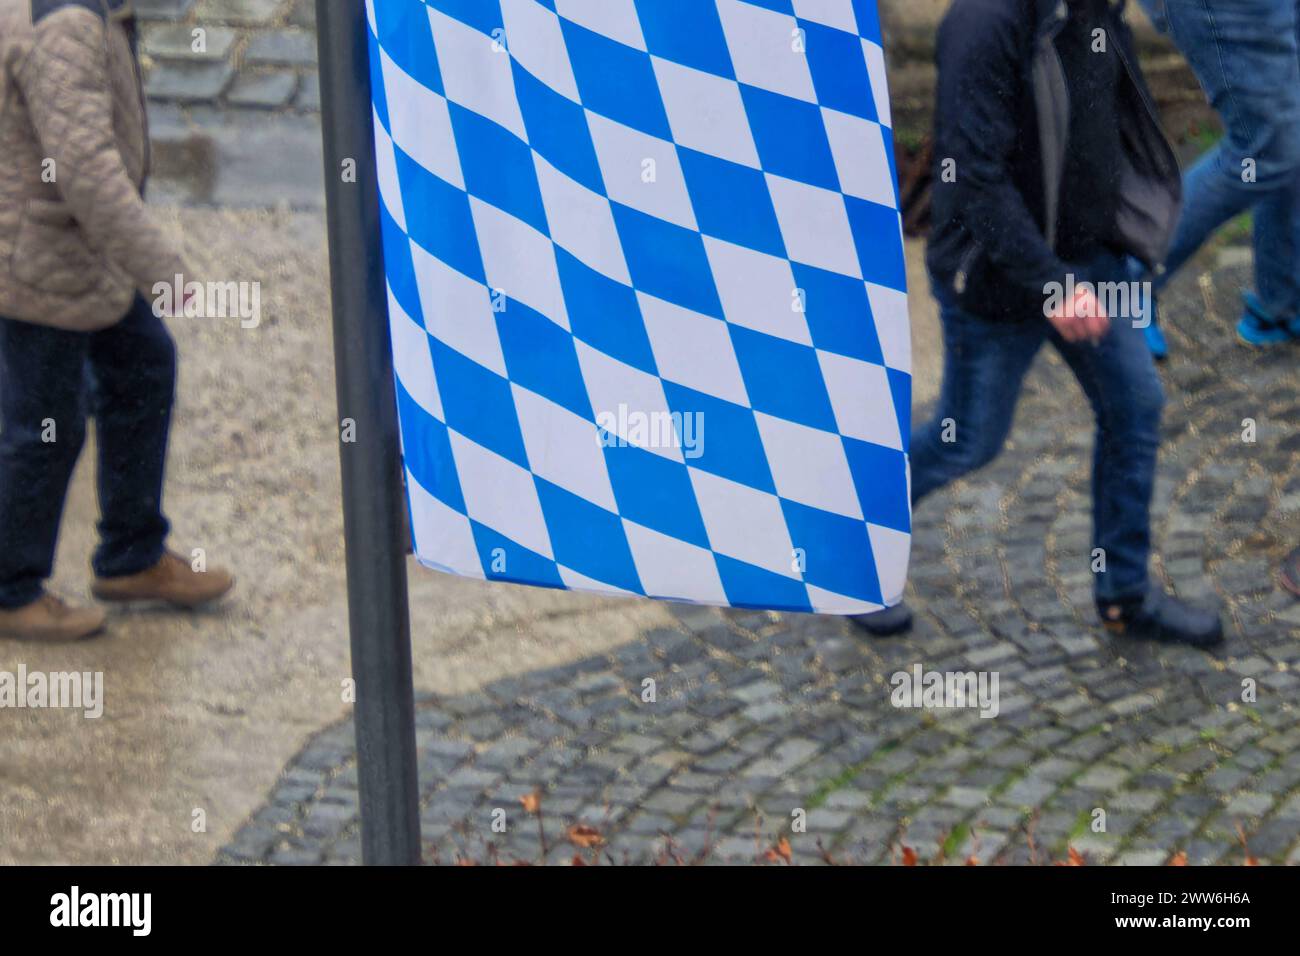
{"points": [[76, 239]]}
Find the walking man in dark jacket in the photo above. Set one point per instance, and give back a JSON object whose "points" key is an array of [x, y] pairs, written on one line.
{"points": [[1051, 171]]}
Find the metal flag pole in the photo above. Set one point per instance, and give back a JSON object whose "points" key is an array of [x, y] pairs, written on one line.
{"points": [[373, 509]]}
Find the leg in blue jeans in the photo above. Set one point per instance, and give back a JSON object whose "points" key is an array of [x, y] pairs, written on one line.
{"points": [[131, 374], [984, 369], [1246, 54], [983, 372], [1119, 378], [125, 377], [42, 430]]}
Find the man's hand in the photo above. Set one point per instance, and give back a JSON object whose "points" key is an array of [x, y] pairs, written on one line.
{"points": [[1081, 319]]}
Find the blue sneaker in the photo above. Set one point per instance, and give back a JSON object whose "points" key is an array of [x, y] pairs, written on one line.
{"points": [[1260, 329], [1156, 341], [1154, 336]]}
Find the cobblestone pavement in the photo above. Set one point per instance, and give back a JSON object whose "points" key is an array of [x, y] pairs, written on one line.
{"points": [[234, 101], [758, 716], [250, 54]]}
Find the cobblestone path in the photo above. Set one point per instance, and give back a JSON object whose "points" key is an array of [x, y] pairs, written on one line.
{"points": [[763, 720]]}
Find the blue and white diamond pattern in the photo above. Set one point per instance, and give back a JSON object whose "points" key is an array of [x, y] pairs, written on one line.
{"points": [[647, 295]]}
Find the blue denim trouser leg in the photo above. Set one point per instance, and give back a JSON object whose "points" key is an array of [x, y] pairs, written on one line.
{"points": [[50, 380], [984, 368], [1246, 53]]}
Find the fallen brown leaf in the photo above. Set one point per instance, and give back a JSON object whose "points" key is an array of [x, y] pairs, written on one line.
{"points": [[779, 852], [586, 837]]}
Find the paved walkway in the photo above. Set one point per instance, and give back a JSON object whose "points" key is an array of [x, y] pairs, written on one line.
{"points": [[762, 723], [202, 711]]}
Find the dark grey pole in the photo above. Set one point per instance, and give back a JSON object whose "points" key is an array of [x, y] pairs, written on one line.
{"points": [[373, 508]]}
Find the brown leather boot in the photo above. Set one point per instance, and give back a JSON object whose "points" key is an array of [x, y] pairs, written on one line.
{"points": [[171, 580], [49, 620]]}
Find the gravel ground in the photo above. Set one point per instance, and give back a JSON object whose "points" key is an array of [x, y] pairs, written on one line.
{"points": [[203, 711]]}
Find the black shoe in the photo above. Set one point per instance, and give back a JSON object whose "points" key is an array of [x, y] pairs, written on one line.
{"points": [[890, 622], [1160, 617], [1291, 572]]}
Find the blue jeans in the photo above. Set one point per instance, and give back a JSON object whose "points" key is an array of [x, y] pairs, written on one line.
{"points": [[1246, 53], [50, 380], [984, 368]]}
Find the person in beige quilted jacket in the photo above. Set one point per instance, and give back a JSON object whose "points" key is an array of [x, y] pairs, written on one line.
{"points": [[80, 256]]}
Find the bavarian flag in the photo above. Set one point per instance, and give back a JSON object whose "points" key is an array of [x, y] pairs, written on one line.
{"points": [[648, 296]]}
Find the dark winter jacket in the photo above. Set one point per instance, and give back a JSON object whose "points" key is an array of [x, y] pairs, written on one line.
{"points": [[1001, 123]]}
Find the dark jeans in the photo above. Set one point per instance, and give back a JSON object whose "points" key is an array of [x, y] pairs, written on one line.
{"points": [[1246, 54], [50, 381], [984, 369]]}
